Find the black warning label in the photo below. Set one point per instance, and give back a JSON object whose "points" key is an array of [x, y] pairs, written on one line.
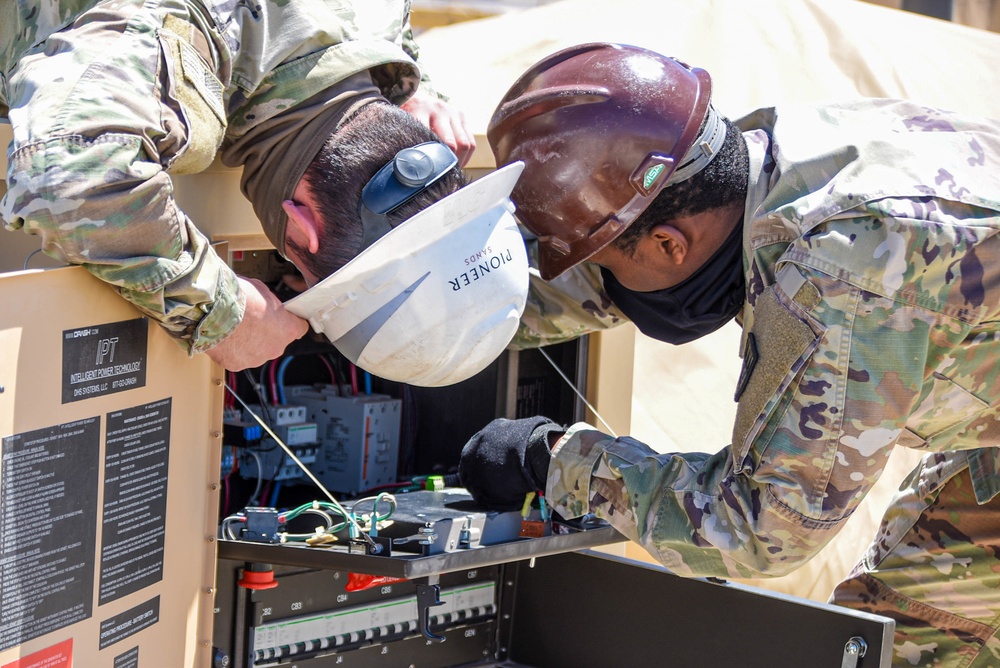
{"points": [[135, 499], [129, 659], [48, 512]]}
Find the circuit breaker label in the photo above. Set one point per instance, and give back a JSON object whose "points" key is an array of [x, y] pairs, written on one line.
{"points": [[130, 622], [48, 511], [135, 499], [104, 359]]}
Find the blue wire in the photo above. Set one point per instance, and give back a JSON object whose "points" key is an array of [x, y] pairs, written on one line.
{"points": [[281, 377], [542, 509], [368, 383]]}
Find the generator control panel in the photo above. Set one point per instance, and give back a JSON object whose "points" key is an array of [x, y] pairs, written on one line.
{"points": [[424, 583]]}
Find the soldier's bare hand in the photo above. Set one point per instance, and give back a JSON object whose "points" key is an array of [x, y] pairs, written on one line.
{"points": [[263, 334], [445, 121]]}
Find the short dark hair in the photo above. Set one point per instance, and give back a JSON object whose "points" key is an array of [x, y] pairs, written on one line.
{"points": [[350, 157], [721, 182]]}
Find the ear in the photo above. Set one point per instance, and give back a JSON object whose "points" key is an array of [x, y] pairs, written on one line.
{"points": [[303, 226], [672, 242]]}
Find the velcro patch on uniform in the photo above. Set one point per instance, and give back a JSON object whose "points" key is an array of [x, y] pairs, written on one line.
{"points": [[193, 56], [807, 296], [200, 105], [782, 339], [204, 81]]}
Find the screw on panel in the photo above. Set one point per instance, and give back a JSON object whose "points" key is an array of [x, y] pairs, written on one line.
{"points": [[855, 648]]}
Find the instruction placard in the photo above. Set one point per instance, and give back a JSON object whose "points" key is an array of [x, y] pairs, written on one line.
{"points": [[129, 659], [48, 525], [130, 622], [104, 359], [135, 499]]}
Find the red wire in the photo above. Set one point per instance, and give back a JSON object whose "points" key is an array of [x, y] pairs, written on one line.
{"points": [[354, 379], [329, 367], [274, 384]]}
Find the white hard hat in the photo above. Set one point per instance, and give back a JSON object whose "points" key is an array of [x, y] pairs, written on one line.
{"points": [[438, 298]]}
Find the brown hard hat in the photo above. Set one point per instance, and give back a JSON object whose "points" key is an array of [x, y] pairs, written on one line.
{"points": [[601, 128]]}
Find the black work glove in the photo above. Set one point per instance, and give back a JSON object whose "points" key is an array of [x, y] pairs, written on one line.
{"points": [[506, 460]]}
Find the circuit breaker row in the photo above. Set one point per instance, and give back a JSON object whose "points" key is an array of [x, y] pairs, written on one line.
{"points": [[314, 619]]}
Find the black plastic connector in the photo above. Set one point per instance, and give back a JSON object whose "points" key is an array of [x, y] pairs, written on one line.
{"points": [[262, 525]]}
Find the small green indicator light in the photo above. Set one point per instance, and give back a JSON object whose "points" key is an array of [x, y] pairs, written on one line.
{"points": [[651, 175]]}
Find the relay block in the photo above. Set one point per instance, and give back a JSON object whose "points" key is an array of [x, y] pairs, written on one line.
{"points": [[358, 436], [275, 464], [267, 460]]}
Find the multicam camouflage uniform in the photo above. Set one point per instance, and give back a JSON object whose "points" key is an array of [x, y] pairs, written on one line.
{"points": [[108, 98], [872, 319]]}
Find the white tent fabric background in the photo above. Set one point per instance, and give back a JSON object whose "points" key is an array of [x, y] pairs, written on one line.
{"points": [[760, 53]]}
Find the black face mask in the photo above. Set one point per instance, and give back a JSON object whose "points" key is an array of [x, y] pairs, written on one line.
{"points": [[703, 303]]}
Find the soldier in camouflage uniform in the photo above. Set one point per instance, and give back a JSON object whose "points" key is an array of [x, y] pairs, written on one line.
{"points": [[868, 284], [109, 98]]}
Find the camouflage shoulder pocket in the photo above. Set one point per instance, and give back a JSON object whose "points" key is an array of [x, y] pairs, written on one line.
{"points": [[194, 95], [780, 345], [943, 417]]}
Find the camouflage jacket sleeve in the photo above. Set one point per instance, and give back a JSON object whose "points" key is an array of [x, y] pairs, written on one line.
{"points": [[412, 49], [93, 140], [100, 204], [834, 376], [567, 307]]}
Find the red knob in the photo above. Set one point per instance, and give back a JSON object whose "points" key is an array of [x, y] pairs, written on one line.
{"points": [[257, 579]]}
